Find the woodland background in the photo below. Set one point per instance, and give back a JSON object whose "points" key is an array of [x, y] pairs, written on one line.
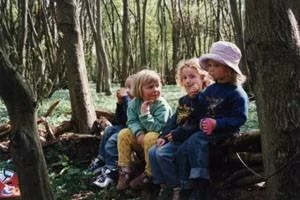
{"points": [[50, 45]]}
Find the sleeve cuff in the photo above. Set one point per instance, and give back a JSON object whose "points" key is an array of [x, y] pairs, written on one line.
{"points": [[138, 133], [144, 114]]}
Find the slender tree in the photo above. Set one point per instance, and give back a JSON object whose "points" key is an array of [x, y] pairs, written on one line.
{"points": [[162, 22], [83, 112], [239, 38], [103, 65], [141, 20], [125, 40], [176, 37]]}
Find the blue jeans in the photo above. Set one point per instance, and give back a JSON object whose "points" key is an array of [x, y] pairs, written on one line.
{"points": [[163, 166], [192, 159], [108, 148], [192, 156]]}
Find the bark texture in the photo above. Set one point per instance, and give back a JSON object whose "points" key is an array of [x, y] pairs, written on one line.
{"points": [[83, 112], [273, 50], [25, 146]]}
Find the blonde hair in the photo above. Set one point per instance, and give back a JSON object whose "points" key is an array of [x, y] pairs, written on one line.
{"points": [[142, 78], [192, 63]]}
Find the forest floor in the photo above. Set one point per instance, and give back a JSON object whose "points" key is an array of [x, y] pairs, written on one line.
{"points": [[255, 193]]}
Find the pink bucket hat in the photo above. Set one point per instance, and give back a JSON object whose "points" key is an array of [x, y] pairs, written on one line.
{"points": [[223, 52]]}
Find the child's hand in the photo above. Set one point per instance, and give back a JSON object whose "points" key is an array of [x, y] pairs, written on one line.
{"points": [[104, 122], [145, 107], [121, 92], [208, 125], [140, 139], [169, 137], [194, 90], [160, 142]]}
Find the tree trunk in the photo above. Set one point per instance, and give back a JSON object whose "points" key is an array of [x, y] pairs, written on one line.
{"points": [[83, 112], [102, 60], [239, 39], [23, 32], [176, 38], [101, 51], [25, 145], [125, 40], [166, 75], [143, 36], [273, 52]]}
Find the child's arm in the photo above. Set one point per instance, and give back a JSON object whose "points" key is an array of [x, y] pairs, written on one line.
{"points": [[133, 121], [184, 129], [182, 132], [121, 111], [171, 124], [238, 114], [157, 118]]}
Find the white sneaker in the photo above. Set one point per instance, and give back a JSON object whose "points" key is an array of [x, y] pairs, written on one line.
{"points": [[96, 165], [103, 181], [105, 178]]}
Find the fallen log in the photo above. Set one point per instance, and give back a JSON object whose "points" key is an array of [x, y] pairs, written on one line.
{"points": [[238, 178], [64, 127], [248, 157], [107, 114], [244, 142], [77, 147], [104, 113], [236, 156]]}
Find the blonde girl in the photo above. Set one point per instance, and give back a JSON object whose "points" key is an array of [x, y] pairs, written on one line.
{"points": [[193, 79], [147, 114]]}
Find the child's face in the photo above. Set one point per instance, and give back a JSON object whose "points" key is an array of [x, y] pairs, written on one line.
{"points": [[151, 91], [218, 71], [191, 81]]}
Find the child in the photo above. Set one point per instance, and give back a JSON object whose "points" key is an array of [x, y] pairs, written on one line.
{"points": [[106, 161], [183, 123], [226, 106], [147, 114]]}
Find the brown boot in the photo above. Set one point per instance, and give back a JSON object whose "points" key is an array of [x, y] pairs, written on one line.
{"points": [[124, 178], [140, 182]]}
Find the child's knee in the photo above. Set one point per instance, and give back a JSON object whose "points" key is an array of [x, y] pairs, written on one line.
{"points": [[150, 139], [151, 136], [124, 134]]}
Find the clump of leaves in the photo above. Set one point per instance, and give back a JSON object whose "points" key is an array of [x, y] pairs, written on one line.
{"points": [[3, 113], [252, 122], [68, 180]]}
